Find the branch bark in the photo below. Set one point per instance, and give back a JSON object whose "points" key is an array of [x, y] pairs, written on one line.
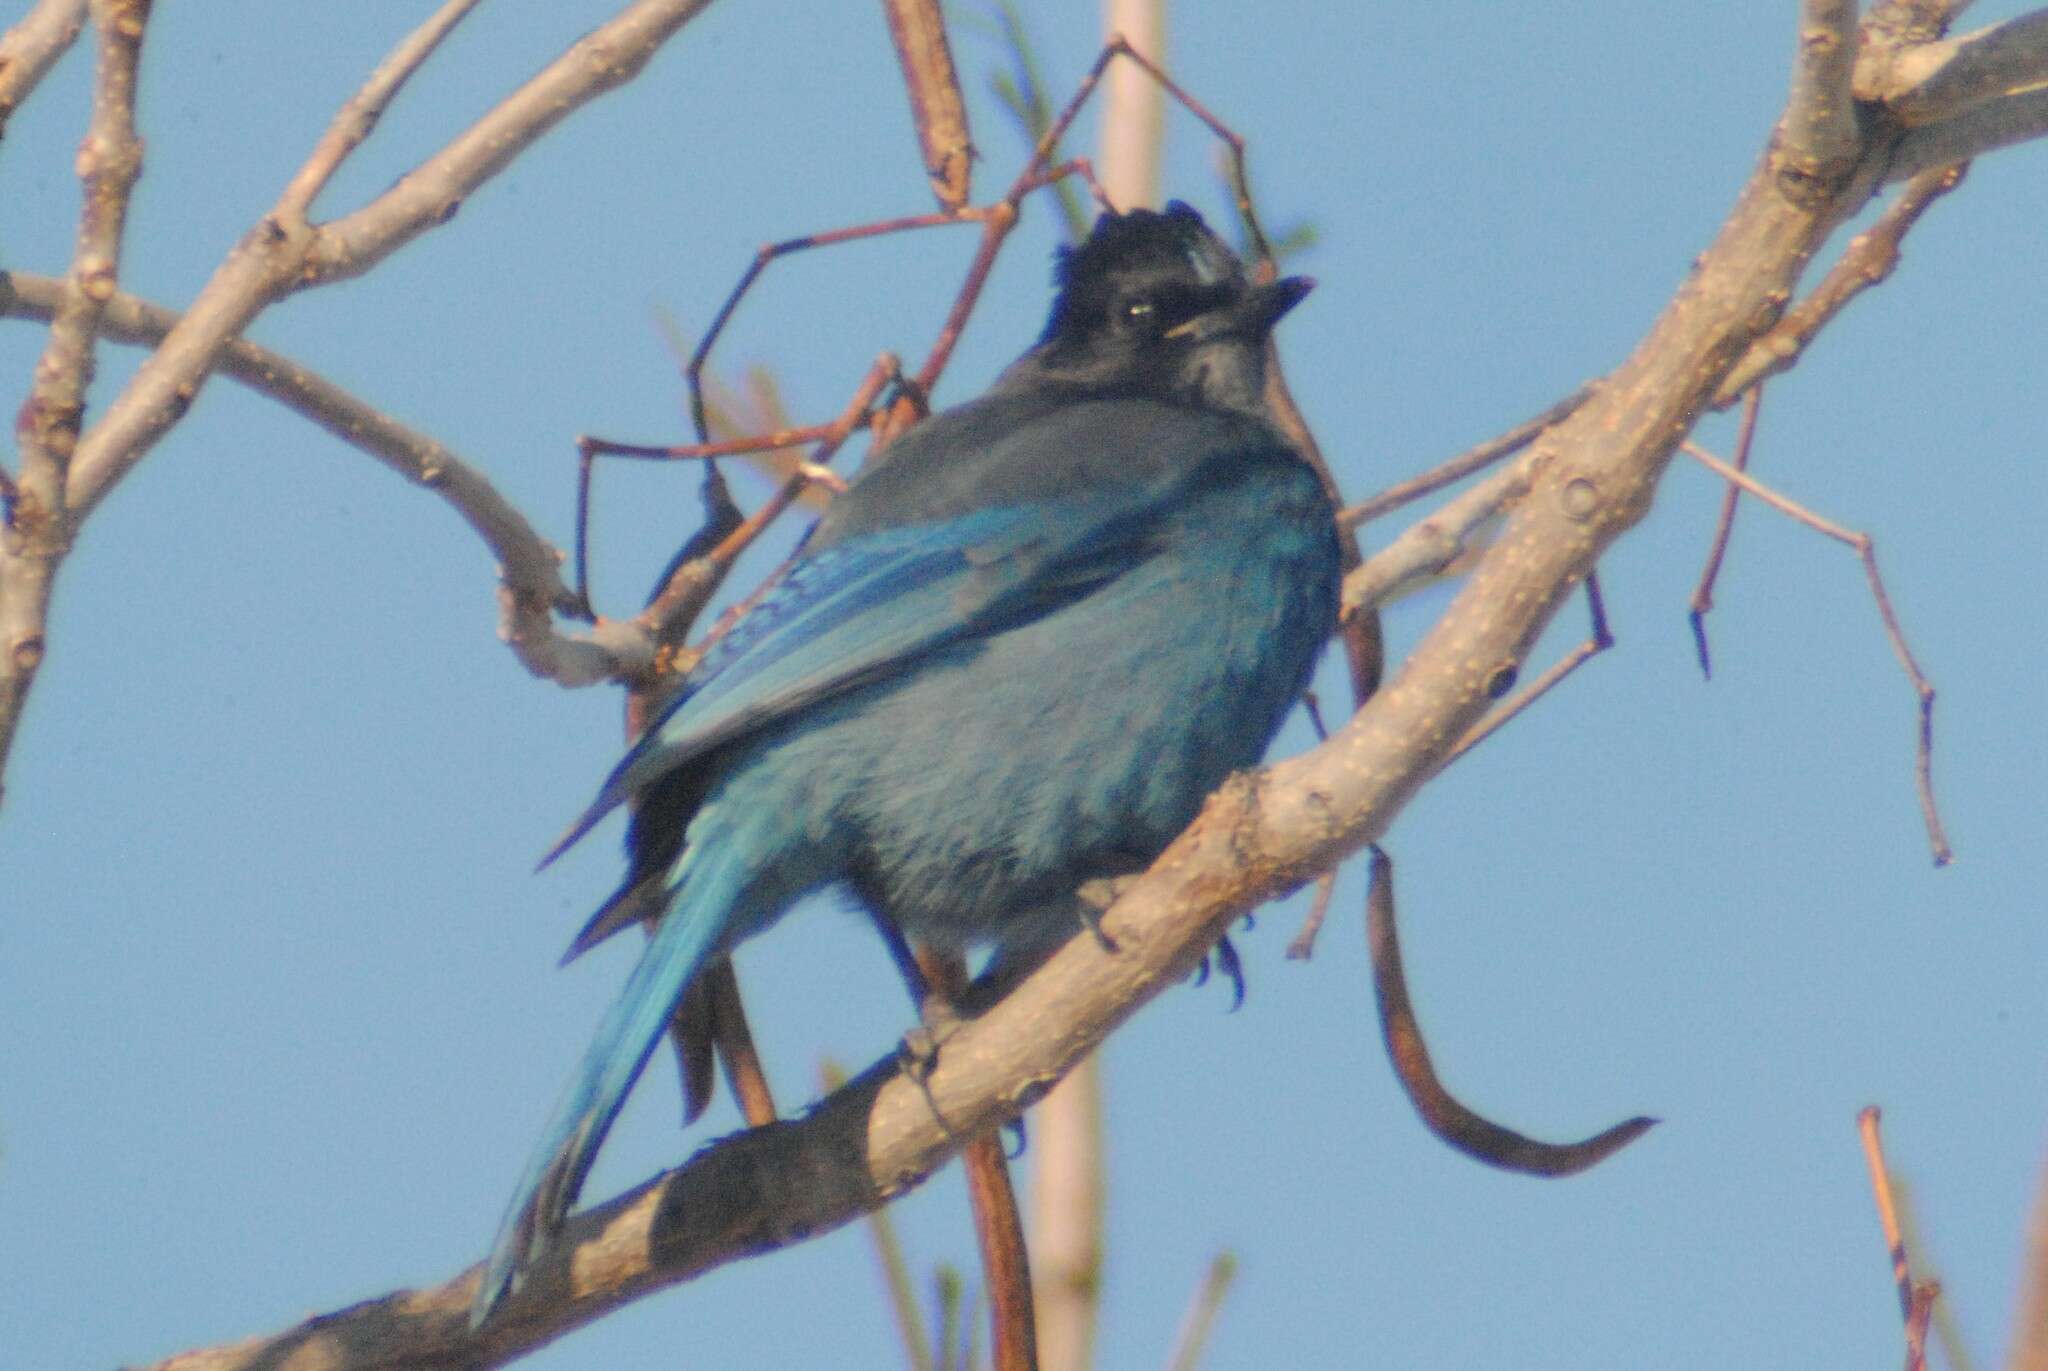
{"points": [[32, 47], [279, 256]]}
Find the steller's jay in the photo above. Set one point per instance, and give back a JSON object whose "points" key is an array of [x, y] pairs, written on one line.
{"points": [[1012, 659]]}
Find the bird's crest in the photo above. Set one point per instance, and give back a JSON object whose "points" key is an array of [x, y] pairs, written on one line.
{"points": [[1140, 242]]}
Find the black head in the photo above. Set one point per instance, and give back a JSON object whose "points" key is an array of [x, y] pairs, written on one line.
{"points": [[1156, 303]]}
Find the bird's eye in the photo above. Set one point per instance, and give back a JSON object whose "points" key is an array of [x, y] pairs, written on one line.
{"points": [[1139, 311]]}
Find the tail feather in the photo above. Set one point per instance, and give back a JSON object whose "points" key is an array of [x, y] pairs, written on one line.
{"points": [[696, 928]]}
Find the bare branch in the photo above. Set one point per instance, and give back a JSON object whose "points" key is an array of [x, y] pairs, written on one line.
{"points": [[2018, 118], [1597, 641], [32, 47], [360, 115], [37, 527], [1926, 83], [429, 195], [280, 256], [1431, 545], [2029, 1349], [109, 161], [529, 567], [1134, 130], [1702, 602], [1916, 1298], [1817, 137], [1464, 464], [918, 29], [1868, 260], [1866, 554], [1201, 1316]]}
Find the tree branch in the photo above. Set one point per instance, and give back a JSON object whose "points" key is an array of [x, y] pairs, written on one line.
{"points": [[282, 254], [360, 115], [1926, 83], [37, 527], [32, 47], [529, 567]]}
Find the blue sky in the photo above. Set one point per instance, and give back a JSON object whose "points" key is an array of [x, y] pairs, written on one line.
{"points": [[279, 1012]]}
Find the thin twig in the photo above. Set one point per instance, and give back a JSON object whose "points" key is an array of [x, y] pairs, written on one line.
{"points": [[744, 1074], [1866, 553], [1867, 1121], [1925, 1293], [1702, 602], [1464, 464], [1193, 1338], [354, 121], [903, 1305], [32, 47], [1431, 545], [1442, 1112], [1916, 1297], [998, 1229], [693, 583], [109, 161], [918, 30], [528, 565], [273, 261], [1869, 259], [1597, 641]]}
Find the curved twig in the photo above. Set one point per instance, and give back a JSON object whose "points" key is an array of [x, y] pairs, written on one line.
{"points": [[1470, 1133]]}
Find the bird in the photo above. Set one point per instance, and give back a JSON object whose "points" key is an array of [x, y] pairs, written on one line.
{"points": [[1010, 660]]}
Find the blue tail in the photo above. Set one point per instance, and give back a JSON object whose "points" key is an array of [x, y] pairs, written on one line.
{"points": [[699, 924]]}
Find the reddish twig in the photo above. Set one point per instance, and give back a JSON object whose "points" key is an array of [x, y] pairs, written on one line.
{"points": [[1867, 1121], [1866, 553], [1464, 464], [999, 1231], [695, 578], [1598, 640], [1916, 1297], [744, 1074], [1702, 602], [1445, 1116]]}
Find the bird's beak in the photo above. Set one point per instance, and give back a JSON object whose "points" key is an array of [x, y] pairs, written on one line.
{"points": [[1252, 314]]}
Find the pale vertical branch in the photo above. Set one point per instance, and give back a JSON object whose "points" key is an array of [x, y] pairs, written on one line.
{"points": [[36, 524], [2029, 1351], [32, 47], [1818, 137], [1067, 1188], [1134, 113]]}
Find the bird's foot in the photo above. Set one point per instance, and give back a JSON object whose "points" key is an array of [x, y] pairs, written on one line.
{"points": [[1230, 964], [1093, 901], [919, 1050]]}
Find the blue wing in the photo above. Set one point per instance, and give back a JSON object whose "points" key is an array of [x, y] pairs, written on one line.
{"points": [[864, 609]]}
